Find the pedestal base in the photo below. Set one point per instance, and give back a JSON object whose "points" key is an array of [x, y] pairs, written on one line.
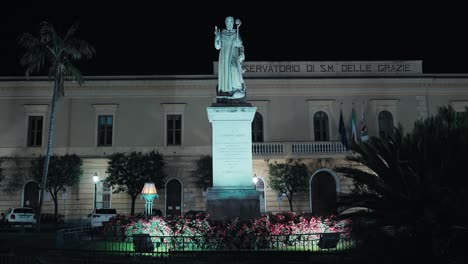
{"points": [[233, 203]]}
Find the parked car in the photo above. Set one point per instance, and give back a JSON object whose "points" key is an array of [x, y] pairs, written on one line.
{"points": [[20, 215], [99, 216]]}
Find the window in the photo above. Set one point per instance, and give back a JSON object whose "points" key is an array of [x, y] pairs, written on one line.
{"points": [[321, 127], [23, 211], [386, 115], [174, 125], [105, 124], [385, 123], [103, 195], [35, 131], [174, 130], [459, 106], [262, 110], [320, 112], [257, 128]]}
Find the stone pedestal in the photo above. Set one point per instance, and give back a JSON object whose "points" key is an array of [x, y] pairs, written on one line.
{"points": [[233, 193]]}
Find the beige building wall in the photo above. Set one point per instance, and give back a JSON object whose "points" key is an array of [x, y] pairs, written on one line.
{"points": [[139, 106]]}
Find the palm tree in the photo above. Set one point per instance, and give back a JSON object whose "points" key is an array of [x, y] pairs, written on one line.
{"points": [[55, 53], [415, 183]]}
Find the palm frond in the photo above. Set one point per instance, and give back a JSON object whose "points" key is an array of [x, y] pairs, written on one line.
{"points": [[76, 49], [46, 32], [74, 73], [71, 31], [56, 52]]}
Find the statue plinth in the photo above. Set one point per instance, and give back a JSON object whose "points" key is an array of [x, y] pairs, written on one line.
{"points": [[233, 193]]}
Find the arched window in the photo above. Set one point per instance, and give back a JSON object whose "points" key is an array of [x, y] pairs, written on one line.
{"points": [[321, 127], [385, 123], [257, 128]]}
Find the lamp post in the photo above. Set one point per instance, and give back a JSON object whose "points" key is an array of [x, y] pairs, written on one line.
{"points": [[149, 193], [95, 180], [255, 179]]}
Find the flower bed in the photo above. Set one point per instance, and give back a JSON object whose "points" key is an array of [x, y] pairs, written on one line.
{"points": [[201, 232]]}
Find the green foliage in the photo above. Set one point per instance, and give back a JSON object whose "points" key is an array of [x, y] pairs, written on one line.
{"points": [[417, 183], [289, 178], [129, 173], [199, 231], [204, 172], [56, 54], [64, 171]]}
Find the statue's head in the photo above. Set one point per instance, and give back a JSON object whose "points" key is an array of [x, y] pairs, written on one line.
{"points": [[229, 22]]}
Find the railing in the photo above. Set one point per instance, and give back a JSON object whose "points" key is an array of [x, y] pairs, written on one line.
{"points": [[290, 148], [166, 245], [70, 236], [267, 148]]}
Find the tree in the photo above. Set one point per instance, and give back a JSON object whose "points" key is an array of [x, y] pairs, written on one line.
{"points": [[56, 54], [64, 171], [129, 173], [204, 172], [415, 183], [289, 178]]}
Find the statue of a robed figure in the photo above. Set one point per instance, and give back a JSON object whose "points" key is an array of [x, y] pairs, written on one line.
{"points": [[233, 194], [231, 84]]}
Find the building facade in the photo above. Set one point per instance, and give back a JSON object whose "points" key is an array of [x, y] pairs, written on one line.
{"points": [[298, 110]]}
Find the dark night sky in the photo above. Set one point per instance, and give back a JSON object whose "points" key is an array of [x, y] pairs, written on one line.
{"points": [[149, 39]]}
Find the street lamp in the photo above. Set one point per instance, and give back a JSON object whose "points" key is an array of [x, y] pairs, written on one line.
{"points": [[149, 193], [95, 180], [255, 179]]}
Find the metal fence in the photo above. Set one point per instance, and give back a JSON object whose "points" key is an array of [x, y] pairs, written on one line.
{"points": [[87, 240]]}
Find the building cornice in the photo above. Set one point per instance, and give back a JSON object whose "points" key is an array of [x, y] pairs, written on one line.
{"points": [[200, 87]]}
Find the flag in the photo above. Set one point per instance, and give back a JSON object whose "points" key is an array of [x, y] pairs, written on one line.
{"points": [[353, 127], [364, 136], [342, 130]]}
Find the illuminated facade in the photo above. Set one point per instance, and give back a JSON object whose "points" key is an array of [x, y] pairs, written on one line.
{"points": [[298, 107]]}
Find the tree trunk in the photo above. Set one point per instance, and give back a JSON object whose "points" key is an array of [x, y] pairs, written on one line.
{"points": [[54, 197], [132, 211], [47, 156], [290, 199]]}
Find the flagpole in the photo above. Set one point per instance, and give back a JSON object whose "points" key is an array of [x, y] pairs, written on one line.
{"points": [[364, 136], [342, 130]]}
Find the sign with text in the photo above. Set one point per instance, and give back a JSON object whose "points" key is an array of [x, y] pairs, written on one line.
{"points": [[328, 68]]}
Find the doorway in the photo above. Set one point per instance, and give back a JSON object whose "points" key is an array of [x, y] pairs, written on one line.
{"points": [[323, 188], [31, 195], [174, 198]]}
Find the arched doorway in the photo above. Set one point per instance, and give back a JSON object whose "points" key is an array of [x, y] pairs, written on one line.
{"points": [[324, 186], [31, 195], [174, 197]]}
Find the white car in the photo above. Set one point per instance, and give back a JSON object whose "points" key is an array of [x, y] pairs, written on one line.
{"points": [[98, 216], [20, 215]]}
